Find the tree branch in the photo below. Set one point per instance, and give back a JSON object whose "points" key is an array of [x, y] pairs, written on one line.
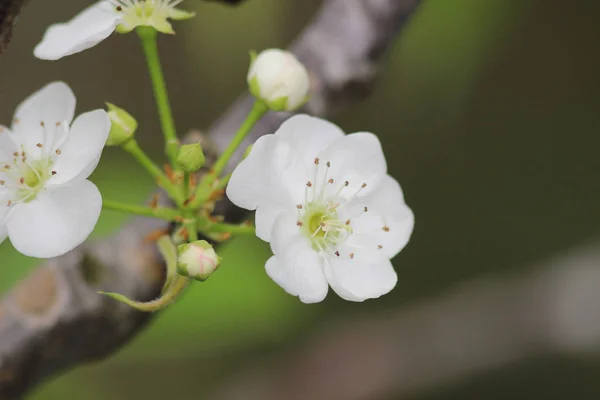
{"points": [[54, 320]]}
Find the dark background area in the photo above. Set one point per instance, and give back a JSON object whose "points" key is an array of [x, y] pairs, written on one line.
{"points": [[489, 116]]}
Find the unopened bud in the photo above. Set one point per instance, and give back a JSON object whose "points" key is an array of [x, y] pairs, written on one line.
{"points": [[123, 126], [278, 79], [190, 157], [197, 260]]}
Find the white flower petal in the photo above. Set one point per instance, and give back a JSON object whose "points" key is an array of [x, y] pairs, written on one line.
{"points": [[296, 266], [285, 231], [85, 30], [7, 146], [80, 154], [249, 184], [265, 217], [4, 209], [299, 274], [356, 158], [308, 136], [55, 222], [38, 115], [279, 166], [367, 275], [388, 223]]}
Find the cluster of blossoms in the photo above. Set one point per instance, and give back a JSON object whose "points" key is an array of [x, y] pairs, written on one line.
{"points": [[323, 199]]}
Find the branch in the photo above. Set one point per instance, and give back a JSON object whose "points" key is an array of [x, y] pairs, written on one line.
{"points": [[482, 325], [54, 320], [9, 10]]}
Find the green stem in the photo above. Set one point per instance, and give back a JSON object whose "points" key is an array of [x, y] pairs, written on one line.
{"points": [[186, 185], [173, 287], [148, 36], [191, 226], [229, 228], [168, 214], [258, 111], [205, 188], [134, 149], [222, 184]]}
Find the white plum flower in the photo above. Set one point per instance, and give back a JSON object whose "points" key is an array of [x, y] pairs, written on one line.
{"points": [[100, 20], [47, 205], [325, 203]]}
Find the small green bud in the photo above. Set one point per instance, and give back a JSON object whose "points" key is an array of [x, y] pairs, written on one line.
{"points": [[123, 126], [190, 157], [197, 260]]}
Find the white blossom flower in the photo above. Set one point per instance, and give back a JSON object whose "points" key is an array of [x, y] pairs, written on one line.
{"points": [[324, 201], [47, 205], [100, 20], [279, 80]]}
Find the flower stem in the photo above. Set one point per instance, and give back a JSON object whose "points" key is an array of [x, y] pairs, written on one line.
{"points": [[229, 228], [205, 188], [148, 36], [134, 149], [186, 185], [258, 111], [173, 287], [167, 214]]}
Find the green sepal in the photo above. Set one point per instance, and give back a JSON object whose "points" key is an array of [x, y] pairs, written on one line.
{"points": [[123, 125], [180, 15]]}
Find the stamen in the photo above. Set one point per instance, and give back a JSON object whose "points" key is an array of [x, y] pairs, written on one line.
{"points": [[386, 228]]}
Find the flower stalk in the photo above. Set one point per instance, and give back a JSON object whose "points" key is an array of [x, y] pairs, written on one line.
{"points": [[142, 158], [259, 109], [148, 37], [164, 213]]}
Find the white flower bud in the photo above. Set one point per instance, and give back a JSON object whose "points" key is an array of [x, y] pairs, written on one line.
{"points": [[278, 79], [197, 260]]}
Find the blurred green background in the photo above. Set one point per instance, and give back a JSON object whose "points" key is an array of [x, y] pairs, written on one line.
{"points": [[489, 116]]}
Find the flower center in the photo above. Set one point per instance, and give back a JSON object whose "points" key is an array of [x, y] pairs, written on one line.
{"points": [[322, 226], [25, 175], [319, 217], [134, 13]]}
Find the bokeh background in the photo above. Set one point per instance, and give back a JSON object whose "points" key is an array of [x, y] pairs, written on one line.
{"points": [[489, 112]]}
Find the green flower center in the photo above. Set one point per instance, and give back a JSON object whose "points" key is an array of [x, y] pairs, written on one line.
{"points": [[321, 224]]}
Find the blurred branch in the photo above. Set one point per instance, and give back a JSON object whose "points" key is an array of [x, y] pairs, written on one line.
{"points": [[54, 320], [481, 325], [9, 10]]}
